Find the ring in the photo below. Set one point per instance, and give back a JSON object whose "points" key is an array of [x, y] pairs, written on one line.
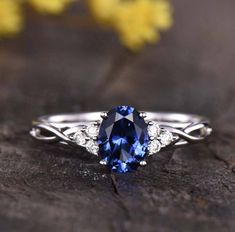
{"points": [[123, 137]]}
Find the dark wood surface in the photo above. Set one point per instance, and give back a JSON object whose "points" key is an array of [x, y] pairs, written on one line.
{"points": [[52, 68]]}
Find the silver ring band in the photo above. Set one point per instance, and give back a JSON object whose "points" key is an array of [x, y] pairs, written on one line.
{"points": [[182, 124], [164, 129]]}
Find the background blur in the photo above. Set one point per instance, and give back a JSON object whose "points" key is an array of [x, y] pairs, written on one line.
{"points": [[66, 63], [63, 63]]}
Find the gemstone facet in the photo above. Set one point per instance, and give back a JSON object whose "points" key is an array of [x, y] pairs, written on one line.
{"points": [[80, 138], [92, 147], [153, 129], [123, 139], [154, 147], [92, 130], [166, 138]]}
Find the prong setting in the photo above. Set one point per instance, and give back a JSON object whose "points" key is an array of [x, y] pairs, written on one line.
{"points": [[150, 123], [166, 137], [143, 114], [80, 138], [103, 162], [104, 115], [143, 163], [122, 137], [92, 130]]}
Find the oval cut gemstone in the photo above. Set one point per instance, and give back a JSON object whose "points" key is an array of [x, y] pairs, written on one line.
{"points": [[123, 139]]}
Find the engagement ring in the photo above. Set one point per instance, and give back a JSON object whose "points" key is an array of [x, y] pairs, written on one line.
{"points": [[123, 137]]}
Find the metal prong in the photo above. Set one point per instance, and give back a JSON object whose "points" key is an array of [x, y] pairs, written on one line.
{"points": [[104, 115], [97, 123], [95, 138], [143, 163], [103, 162], [150, 123], [143, 114]]}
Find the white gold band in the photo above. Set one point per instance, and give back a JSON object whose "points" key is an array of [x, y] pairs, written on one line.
{"points": [[178, 128]]}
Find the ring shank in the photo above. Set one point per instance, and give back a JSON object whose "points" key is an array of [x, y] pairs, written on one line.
{"points": [[187, 128], [176, 120]]}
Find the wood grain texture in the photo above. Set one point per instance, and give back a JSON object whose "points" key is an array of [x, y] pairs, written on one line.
{"points": [[52, 69]]}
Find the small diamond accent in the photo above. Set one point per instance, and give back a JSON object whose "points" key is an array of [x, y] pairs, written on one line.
{"points": [[166, 138], [80, 138], [153, 129], [154, 146], [92, 147], [92, 130]]}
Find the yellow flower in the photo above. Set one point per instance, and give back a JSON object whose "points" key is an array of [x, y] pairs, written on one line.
{"points": [[103, 10], [163, 15], [50, 6], [136, 21], [11, 21]]}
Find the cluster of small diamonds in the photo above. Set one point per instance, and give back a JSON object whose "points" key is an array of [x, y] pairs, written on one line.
{"points": [[87, 137], [158, 137]]}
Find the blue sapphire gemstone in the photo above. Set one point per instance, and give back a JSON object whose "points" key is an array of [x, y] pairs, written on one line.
{"points": [[123, 139]]}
